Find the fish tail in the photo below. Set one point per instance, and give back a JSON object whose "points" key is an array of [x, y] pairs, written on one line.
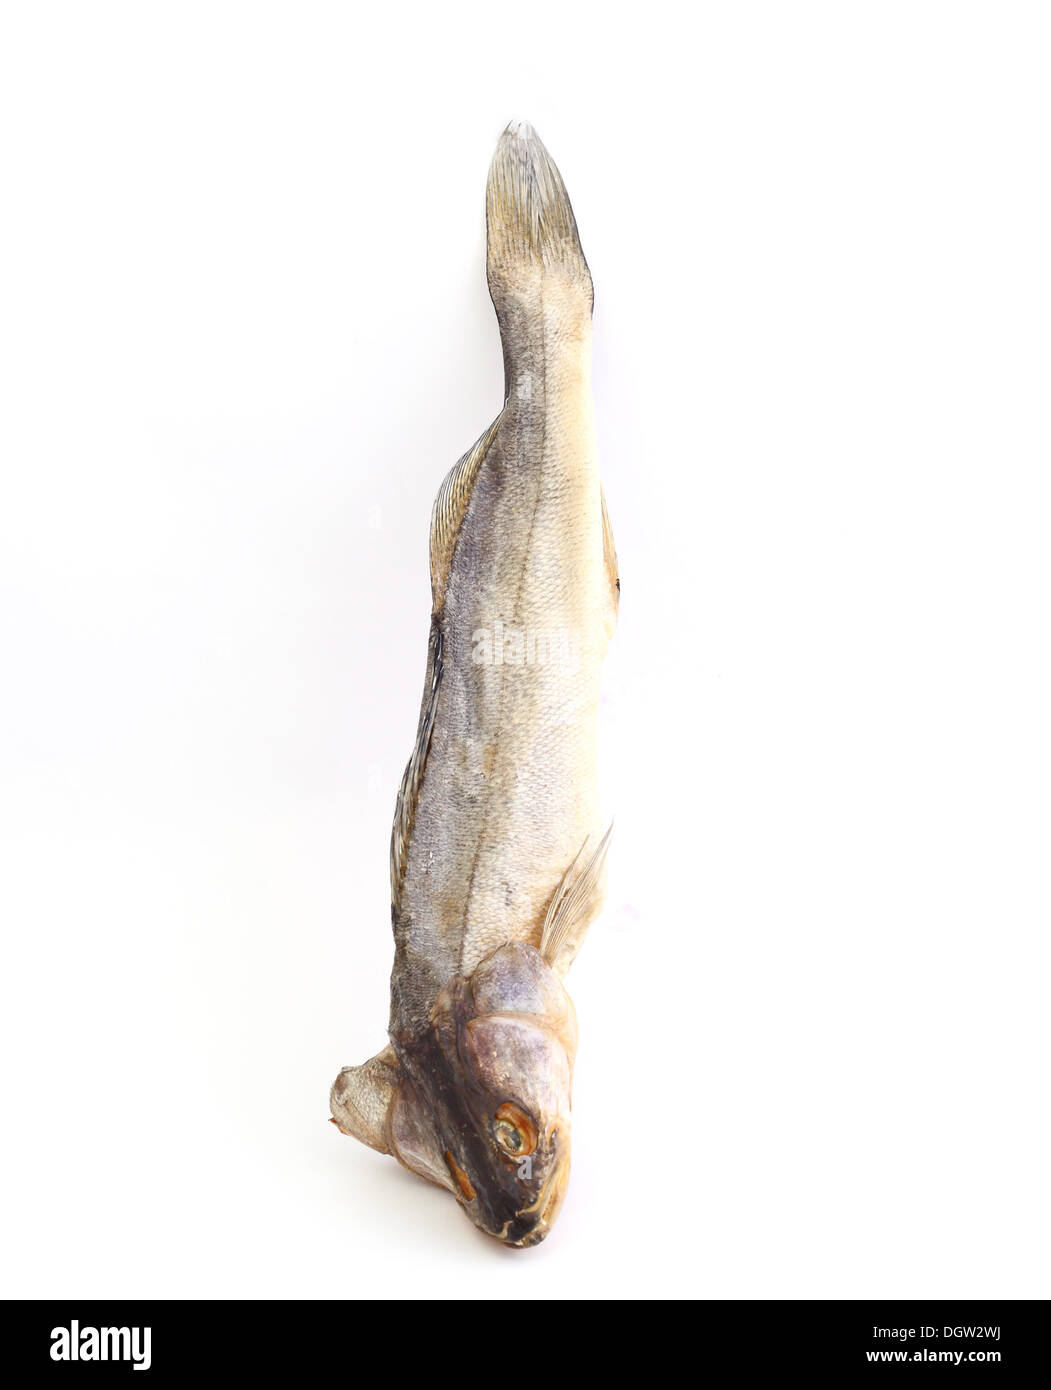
{"points": [[532, 233]]}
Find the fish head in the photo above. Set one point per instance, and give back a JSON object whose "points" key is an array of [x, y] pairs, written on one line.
{"points": [[486, 1108]]}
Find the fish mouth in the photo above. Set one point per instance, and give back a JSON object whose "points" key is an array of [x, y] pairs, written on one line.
{"points": [[533, 1223]]}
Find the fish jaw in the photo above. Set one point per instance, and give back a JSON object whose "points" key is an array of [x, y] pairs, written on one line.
{"points": [[528, 1225], [534, 1224]]}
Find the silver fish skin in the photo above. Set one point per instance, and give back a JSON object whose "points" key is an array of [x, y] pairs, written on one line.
{"points": [[497, 850]]}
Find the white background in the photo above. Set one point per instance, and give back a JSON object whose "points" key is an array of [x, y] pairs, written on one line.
{"points": [[245, 332]]}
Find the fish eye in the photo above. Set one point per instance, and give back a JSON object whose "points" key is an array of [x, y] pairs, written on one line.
{"points": [[514, 1131]]}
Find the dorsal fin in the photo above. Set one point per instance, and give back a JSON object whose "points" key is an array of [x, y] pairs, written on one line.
{"points": [[408, 792], [450, 507]]}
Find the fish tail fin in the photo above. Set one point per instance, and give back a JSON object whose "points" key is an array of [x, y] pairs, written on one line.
{"points": [[532, 233]]}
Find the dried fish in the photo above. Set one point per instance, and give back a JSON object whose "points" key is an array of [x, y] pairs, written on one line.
{"points": [[497, 851]]}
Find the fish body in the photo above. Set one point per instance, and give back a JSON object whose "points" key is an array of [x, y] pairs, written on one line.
{"points": [[497, 851]]}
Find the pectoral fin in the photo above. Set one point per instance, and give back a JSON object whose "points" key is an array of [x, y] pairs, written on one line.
{"points": [[362, 1098], [576, 903], [609, 552], [609, 557]]}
